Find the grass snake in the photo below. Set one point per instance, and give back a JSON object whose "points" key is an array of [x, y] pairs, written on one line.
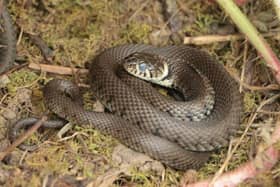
{"points": [[180, 134]]}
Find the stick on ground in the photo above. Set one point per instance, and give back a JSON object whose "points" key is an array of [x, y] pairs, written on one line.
{"points": [[56, 69], [22, 138]]}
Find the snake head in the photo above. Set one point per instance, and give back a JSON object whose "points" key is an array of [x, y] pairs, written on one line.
{"points": [[150, 67]]}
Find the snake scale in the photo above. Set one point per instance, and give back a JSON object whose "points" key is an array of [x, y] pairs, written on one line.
{"points": [[139, 117]]}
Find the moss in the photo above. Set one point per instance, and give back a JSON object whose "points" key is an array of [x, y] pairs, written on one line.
{"points": [[251, 101], [48, 160], [202, 20], [134, 33], [22, 78], [149, 179], [141, 178], [33, 180], [97, 142]]}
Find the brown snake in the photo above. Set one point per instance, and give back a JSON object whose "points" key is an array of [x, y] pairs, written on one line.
{"points": [[141, 125]]}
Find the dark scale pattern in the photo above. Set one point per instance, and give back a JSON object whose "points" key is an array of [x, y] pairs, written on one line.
{"points": [[195, 109], [145, 128]]}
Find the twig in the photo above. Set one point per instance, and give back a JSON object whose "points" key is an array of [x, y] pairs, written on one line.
{"points": [[61, 70], [269, 112], [169, 14], [143, 5], [254, 88], [263, 161], [22, 138], [20, 36], [208, 39], [253, 35], [229, 156], [15, 68], [244, 65], [238, 2], [57, 69]]}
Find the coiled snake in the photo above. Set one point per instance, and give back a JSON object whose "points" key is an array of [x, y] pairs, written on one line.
{"points": [[179, 134]]}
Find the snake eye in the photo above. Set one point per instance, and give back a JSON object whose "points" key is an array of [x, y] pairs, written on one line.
{"points": [[142, 67]]}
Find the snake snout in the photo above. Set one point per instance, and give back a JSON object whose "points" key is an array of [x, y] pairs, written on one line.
{"points": [[64, 87]]}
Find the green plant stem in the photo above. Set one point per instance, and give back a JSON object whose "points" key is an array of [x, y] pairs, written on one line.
{"points": [[252, 34], [277, 7]]}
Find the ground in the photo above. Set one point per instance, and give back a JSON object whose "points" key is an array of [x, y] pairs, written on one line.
{"points": [[76, 31]]}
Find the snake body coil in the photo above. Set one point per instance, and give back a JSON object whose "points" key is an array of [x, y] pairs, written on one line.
{"points": [[142, 120]]}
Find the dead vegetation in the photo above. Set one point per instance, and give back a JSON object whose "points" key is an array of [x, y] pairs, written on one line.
{"points": [[76, 31]]}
